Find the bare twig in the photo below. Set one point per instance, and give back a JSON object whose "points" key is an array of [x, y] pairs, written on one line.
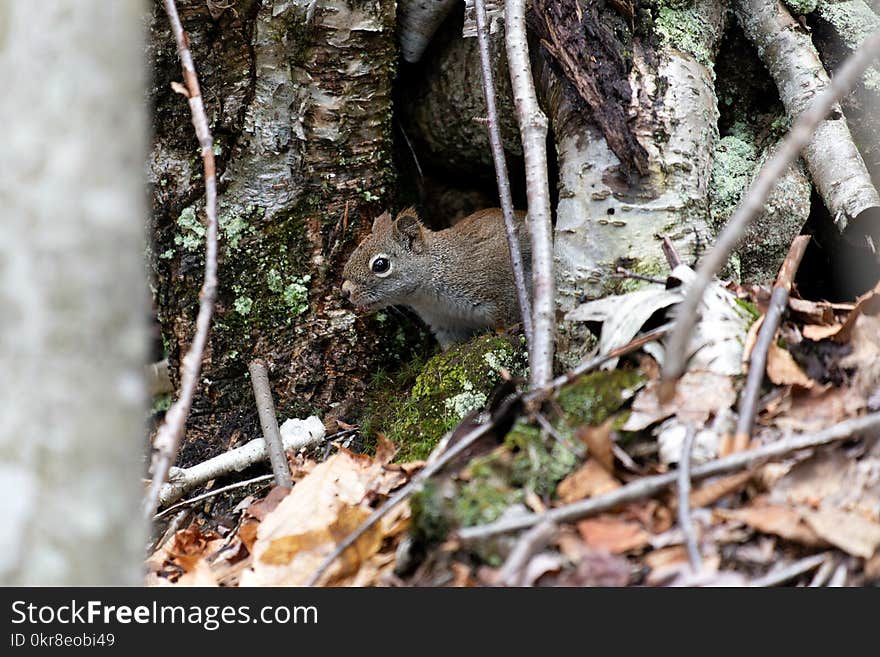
{"points": [[672, 257], [170, 433], [511, 573], [748, 407], [782, 575], [822, 574], [652, 485], [269, 423], [182, 480], [838, 579], [212, 493], [533, 134], [501, 177], [620, 272], [471, 437], [684, 500], [753, 201]]}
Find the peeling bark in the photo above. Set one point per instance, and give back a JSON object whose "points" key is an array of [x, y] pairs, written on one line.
{"points": [[835, 164], [603, 222], [299, 99]]}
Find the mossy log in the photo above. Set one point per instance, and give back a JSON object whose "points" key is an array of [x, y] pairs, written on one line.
{"points": [[298, 95]]}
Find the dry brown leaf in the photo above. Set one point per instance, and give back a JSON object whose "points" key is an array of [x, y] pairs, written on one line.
{"points": [[598, 441], [588, 480], [814, 410], [261, 508], [385, 449], [815, 312], [867, 304], [711, 492], [751, 339], [816, 333], [851, 532], [698, 395], [612, 534], [783, 370], [781, 521], [323, 508]]}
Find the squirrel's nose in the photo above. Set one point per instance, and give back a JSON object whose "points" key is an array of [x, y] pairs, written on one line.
{"points": [[347, 288]]}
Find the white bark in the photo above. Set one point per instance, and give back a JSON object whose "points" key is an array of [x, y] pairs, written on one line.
{"points": [[834, 161], [601, 221], [72, 334]]}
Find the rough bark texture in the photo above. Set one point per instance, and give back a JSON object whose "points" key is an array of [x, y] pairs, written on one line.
{"points": [[836, 166], [604, 221], [298, 95], [72, 328]]}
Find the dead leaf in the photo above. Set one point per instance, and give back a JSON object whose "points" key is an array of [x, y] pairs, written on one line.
{"points": [[263, 507], [851, 532], [385, 449], [816, 333], [612, 534], [783, 370], [781, 521], [698, 395], [598, 441], [587, 481], [714, 490]]}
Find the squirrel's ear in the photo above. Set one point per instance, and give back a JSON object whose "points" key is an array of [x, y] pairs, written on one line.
{"points": [[382, 222], [408, 231]]}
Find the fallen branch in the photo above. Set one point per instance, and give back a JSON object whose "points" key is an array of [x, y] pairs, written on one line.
{"points": [[685, 522], [748, 407], [269, 423], [501, 176], [212, 493], [469, 439], [753, 202], [782, 575], [835, 163], [533, 134], [168, 437], [182, 480], [652, 485]]}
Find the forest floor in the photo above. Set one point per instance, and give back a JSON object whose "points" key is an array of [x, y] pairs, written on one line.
{"points": [[600, 502]]}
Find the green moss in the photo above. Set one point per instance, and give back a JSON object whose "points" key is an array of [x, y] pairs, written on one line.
{"points": [[447, 388], [685, 29], [538, 465], [595, 397]]}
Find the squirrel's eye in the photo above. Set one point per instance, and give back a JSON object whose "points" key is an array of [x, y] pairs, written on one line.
{"points": [[381, 265]]}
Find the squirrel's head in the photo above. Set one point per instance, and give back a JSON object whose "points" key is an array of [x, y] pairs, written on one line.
{"points": [[385, 268]]}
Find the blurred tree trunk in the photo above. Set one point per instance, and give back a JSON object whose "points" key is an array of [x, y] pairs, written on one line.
{"points": [[298, 95], [72, 328]]}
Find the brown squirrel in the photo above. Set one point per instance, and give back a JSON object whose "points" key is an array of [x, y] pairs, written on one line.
{"points": [[458, 280]]}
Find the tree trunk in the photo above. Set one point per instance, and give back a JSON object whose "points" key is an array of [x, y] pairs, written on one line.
{"points": [[299, 99], [72, 329]]}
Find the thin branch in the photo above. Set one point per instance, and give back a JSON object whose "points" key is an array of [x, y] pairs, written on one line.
{"points": [[511, 573], [533, 134], [652, 485], [269, 423], [823, 574], [212, 493], [684, 500], [501, 177], [620, 272], [748, 407], [786, 573], [753, 202], [170, 434], [471, 437]]}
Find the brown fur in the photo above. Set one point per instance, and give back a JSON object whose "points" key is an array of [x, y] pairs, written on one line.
{"points": [[458, 280]]}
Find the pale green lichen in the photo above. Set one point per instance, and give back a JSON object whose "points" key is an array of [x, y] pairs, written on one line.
{"points": [[243, 305], [465, 401], [192, 234], [685, 29], [732, 168], [854, 21], [296, 295], [801, 7]]}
